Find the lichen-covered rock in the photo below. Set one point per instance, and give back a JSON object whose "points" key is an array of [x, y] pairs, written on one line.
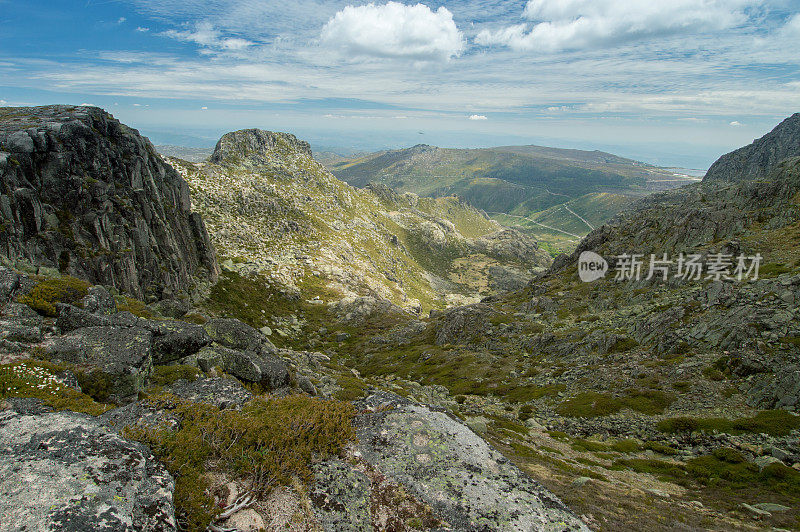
{"points": [[176, 339], [444, 464], [235, 334], [88, 195], [71, 317], [224, 392], [125, 353], [65, 472], [267, 370], [99, 301], [341, 497]]}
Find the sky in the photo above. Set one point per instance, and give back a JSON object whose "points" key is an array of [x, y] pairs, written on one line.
{"points": [[671, 82]]}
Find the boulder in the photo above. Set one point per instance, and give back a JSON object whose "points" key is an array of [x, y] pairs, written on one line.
{"points": [[267, 370], [71, 317], [223, 392], [64, 471], [341, 497], [124, 353], [235, 334], [20, 324], [99, 301], [440, 461], [176, 340]]}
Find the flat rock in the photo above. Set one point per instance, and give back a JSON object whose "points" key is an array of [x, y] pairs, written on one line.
{"points": [[224, 392], [83, 476], [340, 497], [236, 334]]}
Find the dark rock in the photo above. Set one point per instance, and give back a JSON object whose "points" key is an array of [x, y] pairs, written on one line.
{"points": [[462, 325], [124, 319], [267, 370], [224, 392], [125, 353], [172, 308], [256, 146], [99, 301], [176, 340], [9, 284], [235, 334], [76, 179], [64, 471], [71, 318]]}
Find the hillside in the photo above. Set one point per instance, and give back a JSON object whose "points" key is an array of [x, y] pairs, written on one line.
{"points": [[522, 181], [272, 209]]}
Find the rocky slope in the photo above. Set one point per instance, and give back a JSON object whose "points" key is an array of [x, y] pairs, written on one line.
{"points": [[87, 196], [755, 160], [271, 208]]}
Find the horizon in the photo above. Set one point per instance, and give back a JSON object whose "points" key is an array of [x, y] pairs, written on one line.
{"points": [[671, 85]]}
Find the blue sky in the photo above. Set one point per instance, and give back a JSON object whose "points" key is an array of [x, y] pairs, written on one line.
{"points": [[675, 82]]}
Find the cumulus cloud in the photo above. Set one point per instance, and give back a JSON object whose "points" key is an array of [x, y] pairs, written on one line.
{"points": [[477, 117], [204, 34], [735, 123], [394, 30], [142, 29], [578, 24]]}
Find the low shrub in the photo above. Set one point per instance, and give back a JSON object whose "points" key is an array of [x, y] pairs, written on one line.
{"points": [[47, 293], [166, 375]]}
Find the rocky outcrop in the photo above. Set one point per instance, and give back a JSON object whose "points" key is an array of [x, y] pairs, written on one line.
{"points": [[756, 160], [439, 460], [87, 195], [63, 471], [257, 147]]}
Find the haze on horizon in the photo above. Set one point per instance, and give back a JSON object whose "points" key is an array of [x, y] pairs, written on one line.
{"points": [[672, 83]]}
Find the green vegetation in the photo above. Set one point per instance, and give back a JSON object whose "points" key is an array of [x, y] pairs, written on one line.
{"points": [[38, 380], [48, 292], [594, 404], [267, 443], [772, 422], [166, 375], [135, 307]]}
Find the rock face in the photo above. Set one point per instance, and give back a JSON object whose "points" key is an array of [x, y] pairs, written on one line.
{"points": [[64, 472], [755, 160], [88, 195], [255, 146], [442, 462]]}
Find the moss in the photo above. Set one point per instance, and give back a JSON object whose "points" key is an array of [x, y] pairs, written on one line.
{"points": [[660, 448], [95, 383], [266, 443], [48, 292], [352, 388], [135, 307], [166, 375], [37, 379], [772, 422], [594, 404]]}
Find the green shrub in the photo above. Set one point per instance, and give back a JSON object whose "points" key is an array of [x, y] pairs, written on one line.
{"points": [[660, 448], [95, 383], [727, 454], [593, 404], [268, 442], [678, 424], [772, 422], [166, 375], [47, 293], [135, 307], [36, 379]]}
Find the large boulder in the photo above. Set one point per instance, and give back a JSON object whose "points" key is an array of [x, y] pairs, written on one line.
{"points": [[223, 392], [20, 324], [174, 340], [64, 472], [71, 317], [235, 334], [249, 366], [124, 353], [440, 461]]}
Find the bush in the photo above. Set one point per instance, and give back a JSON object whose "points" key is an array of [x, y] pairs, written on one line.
{"points": [[679, 424], [47, 293], [266, 443], [95, 383], [593, 404], [772, 422], [727, 454]]}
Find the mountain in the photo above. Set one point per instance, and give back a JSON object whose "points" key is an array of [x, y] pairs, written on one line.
{"points": [[644, 403], [272, 208], [520, 182], [88, 196], [755, 160], [173, 414]]}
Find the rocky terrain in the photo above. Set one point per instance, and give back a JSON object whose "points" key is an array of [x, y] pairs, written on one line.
{"points": [[272, 210], [85, 195], [170, 414]]}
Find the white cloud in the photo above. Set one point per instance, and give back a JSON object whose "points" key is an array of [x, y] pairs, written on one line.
{"points": [[477, 117], [580, 24], [205, 35], [121, 20], [3, 102], [87, 105], [735, 123], [394, 30], [141, 29]]}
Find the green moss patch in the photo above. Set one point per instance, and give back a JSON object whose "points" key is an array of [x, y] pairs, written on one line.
{"points": [[772, 422], [48, 292], [594, 404]]}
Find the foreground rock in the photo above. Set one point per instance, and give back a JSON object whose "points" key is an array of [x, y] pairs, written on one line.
{"points": [[64, 472], [443, 463]]}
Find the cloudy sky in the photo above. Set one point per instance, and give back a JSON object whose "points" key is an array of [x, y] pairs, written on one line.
{"points": [[675, 82]]}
